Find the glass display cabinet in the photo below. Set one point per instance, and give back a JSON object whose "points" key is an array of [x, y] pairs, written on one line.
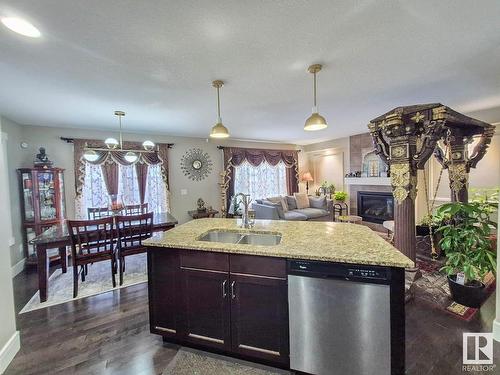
{"points": [[42, 203]]}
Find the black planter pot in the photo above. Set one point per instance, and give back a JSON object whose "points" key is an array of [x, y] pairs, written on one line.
{"points": [[471, 295], [423, 230]]}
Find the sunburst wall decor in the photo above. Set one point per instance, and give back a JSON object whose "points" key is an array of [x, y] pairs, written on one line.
{"points": [[196, 164]]}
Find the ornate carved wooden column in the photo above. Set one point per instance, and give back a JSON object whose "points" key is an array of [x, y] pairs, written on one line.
{"points": [[459, 133], [405, 138]]}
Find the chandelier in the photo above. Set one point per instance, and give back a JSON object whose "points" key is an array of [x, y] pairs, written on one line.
{"points": [[91, 154]]}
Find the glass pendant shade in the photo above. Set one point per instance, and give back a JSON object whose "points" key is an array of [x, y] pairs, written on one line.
{"points": [[111, 143], [148, 145], [219, 131], [130, 157], [90, 155], [315, 122]]}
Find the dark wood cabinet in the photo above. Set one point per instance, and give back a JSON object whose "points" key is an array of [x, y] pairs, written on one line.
{"points": [[259, 317], [41, 192], [164, 286], [228, 303], [205, 308]]}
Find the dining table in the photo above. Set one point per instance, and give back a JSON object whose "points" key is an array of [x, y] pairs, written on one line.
{"points": [[57, 237]]}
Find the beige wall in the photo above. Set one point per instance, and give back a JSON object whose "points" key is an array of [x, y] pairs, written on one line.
{"points": [[61, 153], [7, 317], [327, 160]]}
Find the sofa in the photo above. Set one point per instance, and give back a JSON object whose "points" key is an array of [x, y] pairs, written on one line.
{"points": [[287, 208]]}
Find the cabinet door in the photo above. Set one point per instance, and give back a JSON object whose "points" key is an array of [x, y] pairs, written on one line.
{"points": [[259, 317], [163, 270], [206, 307]]}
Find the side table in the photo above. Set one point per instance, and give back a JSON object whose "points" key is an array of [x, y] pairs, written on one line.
{"points": [[195, 214]]}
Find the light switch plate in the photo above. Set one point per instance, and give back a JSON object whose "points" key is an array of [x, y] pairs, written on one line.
{"points": [[184, 192]]}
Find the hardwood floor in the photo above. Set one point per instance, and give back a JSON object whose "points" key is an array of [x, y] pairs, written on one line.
{"points": [[109, 334]]}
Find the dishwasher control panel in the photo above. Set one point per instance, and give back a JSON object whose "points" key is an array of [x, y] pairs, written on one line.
{"points": [[339, 270]]}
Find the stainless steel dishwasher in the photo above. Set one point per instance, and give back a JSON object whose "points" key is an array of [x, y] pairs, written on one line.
{"points": [[340, 318]]}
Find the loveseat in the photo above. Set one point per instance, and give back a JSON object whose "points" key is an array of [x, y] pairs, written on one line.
{"points": [[287, 208]]}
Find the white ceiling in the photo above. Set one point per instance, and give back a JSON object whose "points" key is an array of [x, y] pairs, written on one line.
{"points": [[156, 59]]}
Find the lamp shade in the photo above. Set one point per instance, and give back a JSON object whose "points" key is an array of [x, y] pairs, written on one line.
{"points": [[306, 176], [315, 122], [219, 131]]}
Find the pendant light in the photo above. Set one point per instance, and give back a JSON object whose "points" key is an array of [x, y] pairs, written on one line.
{"points": [[131, 156], [315, 121], [218, 130]]}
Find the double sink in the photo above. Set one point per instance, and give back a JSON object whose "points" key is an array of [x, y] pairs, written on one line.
{"points": [[243, 238]]}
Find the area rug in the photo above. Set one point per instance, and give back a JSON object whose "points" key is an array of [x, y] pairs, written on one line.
{"points": [[432, 287], [97, 281], [194, 362]]}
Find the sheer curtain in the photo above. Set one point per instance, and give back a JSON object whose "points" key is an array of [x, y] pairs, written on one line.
{"points": [[128, 186], [262, 181], [95, 194], [156, 193]]}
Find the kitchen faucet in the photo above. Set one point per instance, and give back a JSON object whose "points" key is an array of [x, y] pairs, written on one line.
{"points": [[246, 202]]}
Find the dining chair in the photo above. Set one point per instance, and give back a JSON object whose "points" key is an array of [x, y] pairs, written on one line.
{"points": [[136, 209], [92, 241], [94, 213], [132, 231]]}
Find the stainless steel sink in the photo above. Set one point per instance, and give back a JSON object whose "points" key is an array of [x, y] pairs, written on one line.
{"points": [[220, 236], [244, 238], [260, 239]]}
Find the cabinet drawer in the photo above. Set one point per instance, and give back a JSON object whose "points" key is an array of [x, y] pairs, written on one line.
{"points": [[258, 265], [205, 260]]}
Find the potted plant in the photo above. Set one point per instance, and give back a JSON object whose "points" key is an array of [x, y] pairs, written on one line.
{"points": [[466, 229], [340, 196]]}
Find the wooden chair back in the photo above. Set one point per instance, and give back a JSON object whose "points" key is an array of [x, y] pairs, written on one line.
{"points": [[91, 239], [132, 230], [94, 213], [136, 209]]}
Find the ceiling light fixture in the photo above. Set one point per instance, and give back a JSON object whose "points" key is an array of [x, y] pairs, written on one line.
{"points": [[218, 130], [315, 121], [131, 156], [21, 26]]}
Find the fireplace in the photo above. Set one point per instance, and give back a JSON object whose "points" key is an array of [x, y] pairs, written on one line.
{"points": [[375, 207]]}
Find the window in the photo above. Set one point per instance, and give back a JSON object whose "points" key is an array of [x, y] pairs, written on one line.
{"points": [[262, 181], [95, 194]]}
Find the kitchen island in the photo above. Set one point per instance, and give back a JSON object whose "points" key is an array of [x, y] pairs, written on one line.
{"points": [[249, 293]]}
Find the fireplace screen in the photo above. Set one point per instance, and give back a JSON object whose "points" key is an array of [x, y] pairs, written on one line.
{"points": [[375, 207]]}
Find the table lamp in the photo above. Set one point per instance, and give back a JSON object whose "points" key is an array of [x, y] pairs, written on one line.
{"points": [[307, 177]]}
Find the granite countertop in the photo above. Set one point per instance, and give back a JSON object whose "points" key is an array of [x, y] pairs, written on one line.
{"points": [[323, 241]]}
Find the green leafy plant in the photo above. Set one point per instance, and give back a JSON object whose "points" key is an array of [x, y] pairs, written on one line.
{"points": [[340, 196], [466, 230], [427, 220]]}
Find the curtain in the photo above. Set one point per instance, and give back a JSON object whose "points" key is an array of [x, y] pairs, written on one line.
{"points": [[141, 170], [116, 157], [234, 157], [262, 181], [109, 163], [156, 194], [128, 185], [110, 175]]}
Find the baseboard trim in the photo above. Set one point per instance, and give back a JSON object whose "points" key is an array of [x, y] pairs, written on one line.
{"points": [[18, 267], [9, 351]]}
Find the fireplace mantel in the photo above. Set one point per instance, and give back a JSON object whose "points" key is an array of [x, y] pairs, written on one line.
{"points": [[367, 181]]}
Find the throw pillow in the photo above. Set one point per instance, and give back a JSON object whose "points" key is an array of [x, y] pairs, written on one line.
{"points": [[278, 206], [318, 202], [291, 202], [302, 200], [281, 201]]}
